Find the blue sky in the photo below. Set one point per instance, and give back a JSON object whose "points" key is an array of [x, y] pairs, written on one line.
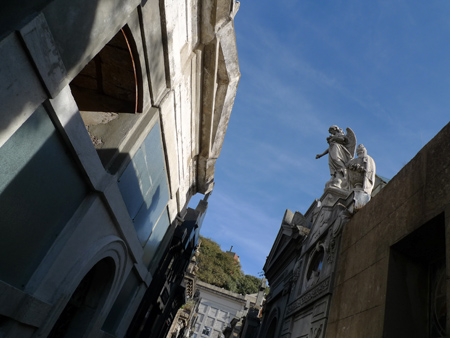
{"points": [[381, 68]]}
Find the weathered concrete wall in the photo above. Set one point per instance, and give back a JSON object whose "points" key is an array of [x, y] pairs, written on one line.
{"points": [[417, 194]]}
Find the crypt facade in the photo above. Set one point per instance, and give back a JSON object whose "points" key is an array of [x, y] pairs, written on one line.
{"points": [[114, 113]]}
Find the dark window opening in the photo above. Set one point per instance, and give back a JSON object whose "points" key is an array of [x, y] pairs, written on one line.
{"points": [[108, 93], [206, 331], [416, 296], [438, 300], [272, 329], [109, 82], [83, 307], [314, 267]]}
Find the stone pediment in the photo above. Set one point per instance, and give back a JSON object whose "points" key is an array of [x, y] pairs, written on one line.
{"points": [[292, 227], [281, 242]]}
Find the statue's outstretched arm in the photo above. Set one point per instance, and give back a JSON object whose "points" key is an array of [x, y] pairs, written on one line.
{"points": [[323, 154]]}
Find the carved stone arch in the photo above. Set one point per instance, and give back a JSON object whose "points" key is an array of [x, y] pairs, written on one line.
{"points": [[88, 290], [272, 324]]}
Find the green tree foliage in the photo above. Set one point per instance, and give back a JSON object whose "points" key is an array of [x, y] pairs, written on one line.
{"points": [[218, 268]]}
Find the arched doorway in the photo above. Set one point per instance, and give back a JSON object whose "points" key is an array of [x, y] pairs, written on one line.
{"points": [[88, 298], [272, 329]]}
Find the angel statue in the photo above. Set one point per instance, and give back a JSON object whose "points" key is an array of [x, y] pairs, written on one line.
{"points": [[341, 149]]}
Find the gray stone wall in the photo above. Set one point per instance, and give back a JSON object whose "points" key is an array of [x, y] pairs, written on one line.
{"points": [[418, 194]]}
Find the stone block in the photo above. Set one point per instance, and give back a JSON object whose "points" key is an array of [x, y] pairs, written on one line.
{"points": [[348, 298], [68, 119], [349, 235], [343, 329], [408, 217], [17, 79], [437, 162], [41, 46], [348, 263], [334, 311], [154, 49], [437, 188], [361, 292], [341, 266], [331, 330], [229, 50], [369, 249], [169, 133], [368, 324], [371, 286]]}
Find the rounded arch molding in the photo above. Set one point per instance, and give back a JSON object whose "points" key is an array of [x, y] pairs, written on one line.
{"points": [[109, 254], [314, 265], [272, 323]]}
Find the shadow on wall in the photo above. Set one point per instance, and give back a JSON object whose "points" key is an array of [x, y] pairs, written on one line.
{"points": [[40, 189], [59, 33], [14, 14], [42, 185], [63, 35]]}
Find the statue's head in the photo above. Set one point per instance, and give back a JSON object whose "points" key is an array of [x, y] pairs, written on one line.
{"points": [[361, 151], [334, 128]]}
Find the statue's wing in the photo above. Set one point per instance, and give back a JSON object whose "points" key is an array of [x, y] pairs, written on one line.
{"points": [[351, 146]]}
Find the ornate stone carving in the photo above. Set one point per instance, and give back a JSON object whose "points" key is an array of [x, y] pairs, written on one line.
{"points": [[341, 149], [316, 331], [296, 274], [342, 218], [318, 291], [348, 173], [361, 175], [297, 222], [331, 250]]}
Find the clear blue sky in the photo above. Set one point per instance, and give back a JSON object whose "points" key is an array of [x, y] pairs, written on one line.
{"points": [[381, 68]]}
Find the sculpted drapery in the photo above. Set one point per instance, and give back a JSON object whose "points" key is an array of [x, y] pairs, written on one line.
{"points": [[341, 149]]}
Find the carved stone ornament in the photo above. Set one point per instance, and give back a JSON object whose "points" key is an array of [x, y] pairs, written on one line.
{"points": [[308, 297], [342, 218], [316, 331], [296, 274], [331, 250], [347, 172], [287, 288], [341, 149], [361, 174], [297, 222]]}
